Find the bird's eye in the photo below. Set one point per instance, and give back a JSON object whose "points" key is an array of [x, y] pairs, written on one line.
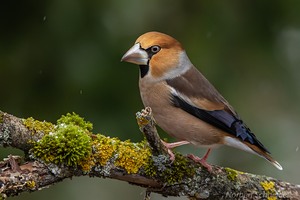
{"points": [[155, 49]]}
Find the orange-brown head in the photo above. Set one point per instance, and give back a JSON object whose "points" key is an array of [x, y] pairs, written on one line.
{"points": [[158, 55]]}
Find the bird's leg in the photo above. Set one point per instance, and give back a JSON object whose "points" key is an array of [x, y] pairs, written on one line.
{"points": [[206, 154], [202, 160], [174, 144], [170, 146]]}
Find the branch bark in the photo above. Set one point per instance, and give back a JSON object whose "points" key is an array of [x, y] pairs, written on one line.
{"points": [[158, 174]]}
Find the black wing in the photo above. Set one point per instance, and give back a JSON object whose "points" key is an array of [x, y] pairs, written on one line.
{"points": [[220, 119]]}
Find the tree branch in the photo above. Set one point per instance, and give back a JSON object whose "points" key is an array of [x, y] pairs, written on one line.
{"points": [[143, 164]]}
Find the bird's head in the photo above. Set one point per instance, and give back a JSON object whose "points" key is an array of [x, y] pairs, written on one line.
{"points": [[159, 56]]}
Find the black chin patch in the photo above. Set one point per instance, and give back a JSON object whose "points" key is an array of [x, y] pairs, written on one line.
{"points": [[144, 69]]}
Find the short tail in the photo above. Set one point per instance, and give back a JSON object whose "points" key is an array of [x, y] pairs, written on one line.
{"points": [[266, 156], [245, 146], [276, 164]]}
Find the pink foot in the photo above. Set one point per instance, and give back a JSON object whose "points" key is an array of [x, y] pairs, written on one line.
{"points": [[171, 154], [202, 160], [170, 146]]}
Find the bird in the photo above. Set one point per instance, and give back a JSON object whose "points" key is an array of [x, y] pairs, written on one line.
{"points": [[184, 103]]}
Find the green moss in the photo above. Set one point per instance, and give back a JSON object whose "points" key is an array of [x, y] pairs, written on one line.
{"points": [[161, 168], [37, 126], [71, 143], [68, 143], [75, 120], [231, 173]]}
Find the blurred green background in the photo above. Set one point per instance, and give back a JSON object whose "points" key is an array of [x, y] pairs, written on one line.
{"points": [[62, 56]]}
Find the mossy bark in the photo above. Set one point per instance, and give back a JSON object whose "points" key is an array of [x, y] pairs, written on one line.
{"points": [[155, 171]]}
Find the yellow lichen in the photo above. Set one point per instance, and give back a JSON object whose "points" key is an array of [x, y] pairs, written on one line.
{"points": [[142, 121], [132, 156], [269, 187], [37, 126], [144, 117], [105, 147], [103, 150], [232, 174], [71, 142], [30, 184], [129, 156], [87, 163]]}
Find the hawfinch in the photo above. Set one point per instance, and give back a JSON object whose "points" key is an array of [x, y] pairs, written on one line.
{"points": [[184, 103]]}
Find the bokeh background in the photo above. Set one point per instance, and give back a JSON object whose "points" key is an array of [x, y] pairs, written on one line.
{"points": [[62, 56]]}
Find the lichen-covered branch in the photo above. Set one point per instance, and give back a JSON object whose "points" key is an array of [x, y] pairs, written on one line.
{"points": [[69, 148]]}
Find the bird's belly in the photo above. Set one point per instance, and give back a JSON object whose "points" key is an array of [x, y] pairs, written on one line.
{"points": [[178, 123], [183, 126]]}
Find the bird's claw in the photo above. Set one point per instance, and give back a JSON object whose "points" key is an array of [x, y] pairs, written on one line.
{"points": [[170, 146], [202, 161], [172, 156]]}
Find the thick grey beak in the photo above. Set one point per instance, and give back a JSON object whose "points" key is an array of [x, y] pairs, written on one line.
{"points": [[136, 55]]}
